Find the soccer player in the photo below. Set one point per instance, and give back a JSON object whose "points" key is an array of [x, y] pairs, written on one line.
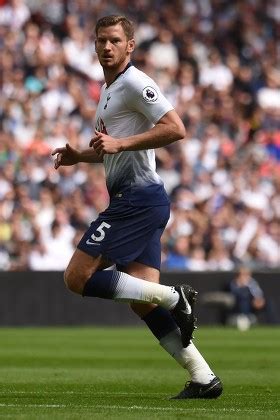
{"points": [[133, 118]]}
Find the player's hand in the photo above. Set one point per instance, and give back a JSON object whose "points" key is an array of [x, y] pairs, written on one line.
{"points": [[102, 144], [65, 156]]}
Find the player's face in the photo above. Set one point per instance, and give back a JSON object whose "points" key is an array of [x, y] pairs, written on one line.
{"points": [[112, 47]]}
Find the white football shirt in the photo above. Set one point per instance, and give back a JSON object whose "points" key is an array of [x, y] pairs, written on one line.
{"points": [[131, 105]]}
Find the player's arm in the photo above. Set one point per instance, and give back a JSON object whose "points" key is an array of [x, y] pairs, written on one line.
{"points": [[168, 129], [67, 156]]}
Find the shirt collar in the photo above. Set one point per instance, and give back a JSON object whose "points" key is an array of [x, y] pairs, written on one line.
{"points": [[129, 64]]}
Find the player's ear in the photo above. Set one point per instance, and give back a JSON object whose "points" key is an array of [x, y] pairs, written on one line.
{"points": [[131, 45]]}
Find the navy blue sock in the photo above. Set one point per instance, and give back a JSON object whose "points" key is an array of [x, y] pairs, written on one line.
{"points": [[102, 284], [160, 321]]}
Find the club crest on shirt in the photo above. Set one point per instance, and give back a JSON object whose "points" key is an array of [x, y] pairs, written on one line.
{"points": [[149, 94]]}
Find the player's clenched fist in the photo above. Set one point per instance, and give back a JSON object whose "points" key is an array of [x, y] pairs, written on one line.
{"points": [[65, 156], [102, 144]]}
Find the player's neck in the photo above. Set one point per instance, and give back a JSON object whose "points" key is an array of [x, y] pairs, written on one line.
{"points": [[111, 75]]}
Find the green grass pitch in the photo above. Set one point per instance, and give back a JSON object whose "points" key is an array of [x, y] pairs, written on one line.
{"points": [[122, 373]]}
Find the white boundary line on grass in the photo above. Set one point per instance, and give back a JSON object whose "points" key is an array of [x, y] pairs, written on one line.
{"points": [[135, 407], [33, 405], [15, 392]]}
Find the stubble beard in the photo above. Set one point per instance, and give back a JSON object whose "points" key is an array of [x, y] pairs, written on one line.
{"points": [[114, 65]]}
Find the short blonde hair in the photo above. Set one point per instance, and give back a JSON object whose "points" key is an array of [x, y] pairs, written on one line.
{"points": [[112, 20]]}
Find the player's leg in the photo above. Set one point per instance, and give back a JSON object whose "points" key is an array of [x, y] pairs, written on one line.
{"points": [[122, 238], [162, 324], [82, 267], [119, 234], [84, 276]]}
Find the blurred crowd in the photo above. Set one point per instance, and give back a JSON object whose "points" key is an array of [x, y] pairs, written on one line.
{"points": [[217, 61]]}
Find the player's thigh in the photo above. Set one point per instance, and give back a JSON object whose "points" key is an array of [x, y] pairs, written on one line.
{"points": [[151, 253], [80, 268], [121, 233], [147, 273]]}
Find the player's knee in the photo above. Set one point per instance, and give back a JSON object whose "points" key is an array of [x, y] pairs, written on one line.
{"points": [[74, 281]]}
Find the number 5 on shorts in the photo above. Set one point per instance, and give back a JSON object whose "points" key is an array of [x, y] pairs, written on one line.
{"points": [[101, 231]]}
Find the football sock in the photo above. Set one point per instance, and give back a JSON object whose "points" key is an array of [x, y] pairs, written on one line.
{"points": [[123, 287], [165, 329], [189, 357], [160, 322]]}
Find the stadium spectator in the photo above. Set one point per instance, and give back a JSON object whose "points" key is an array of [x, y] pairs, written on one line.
{"points": [[178, 257], [249, 299], [218, 63]]}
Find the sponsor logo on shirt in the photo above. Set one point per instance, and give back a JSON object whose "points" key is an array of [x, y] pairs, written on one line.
{"points": [[100, 126], [150, 94]]}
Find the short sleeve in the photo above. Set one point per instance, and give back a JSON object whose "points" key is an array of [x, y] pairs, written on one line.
{"points": [[142, 94]]}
